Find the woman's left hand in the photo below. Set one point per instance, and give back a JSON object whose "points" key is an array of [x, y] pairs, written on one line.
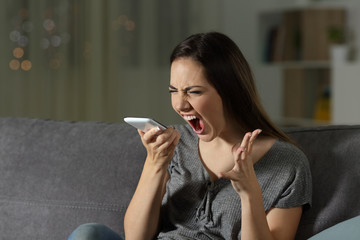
{"points": [[242, 175]]}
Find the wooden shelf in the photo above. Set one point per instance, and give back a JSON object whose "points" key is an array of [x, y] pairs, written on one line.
{"points": [[298, 41]]}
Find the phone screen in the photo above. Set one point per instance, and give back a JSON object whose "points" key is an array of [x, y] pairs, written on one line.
{"points": [[144, 124]]}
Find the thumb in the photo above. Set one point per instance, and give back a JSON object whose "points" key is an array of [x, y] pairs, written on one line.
{"points": [[141, 133]]}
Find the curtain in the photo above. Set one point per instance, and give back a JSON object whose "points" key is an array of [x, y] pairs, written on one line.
{"points": [[94, 60]]}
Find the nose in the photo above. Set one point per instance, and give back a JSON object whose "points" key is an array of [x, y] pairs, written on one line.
{"points": [[180, 103]]}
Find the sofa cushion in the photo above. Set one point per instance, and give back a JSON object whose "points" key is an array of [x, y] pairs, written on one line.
{"points": [[349, 230], [334, 156], [57, 175]]}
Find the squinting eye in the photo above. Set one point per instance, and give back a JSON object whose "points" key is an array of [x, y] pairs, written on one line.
{"points": [[172, 91], [195, 92]]}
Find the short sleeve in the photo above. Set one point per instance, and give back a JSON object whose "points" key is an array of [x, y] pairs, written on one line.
{"points": [[285, 178], [298, 190]]}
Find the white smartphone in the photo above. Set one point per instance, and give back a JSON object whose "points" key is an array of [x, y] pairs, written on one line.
{"points": [[144, 124]]}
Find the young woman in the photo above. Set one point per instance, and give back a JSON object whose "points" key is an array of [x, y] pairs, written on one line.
{"points": [[232, 174]]}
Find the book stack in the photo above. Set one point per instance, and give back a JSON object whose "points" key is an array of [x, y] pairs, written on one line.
{"points": [[306, 35]]}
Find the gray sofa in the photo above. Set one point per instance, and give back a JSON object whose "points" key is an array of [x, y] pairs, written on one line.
{"points": [[57, 175]]}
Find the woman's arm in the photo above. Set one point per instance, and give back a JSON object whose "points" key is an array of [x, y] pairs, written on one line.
{"points": [[256, 223], [142, 218], [283, 223], [275, 224]]}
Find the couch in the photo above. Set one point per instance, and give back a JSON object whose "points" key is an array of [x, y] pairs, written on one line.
{"points": [[56, 175]]}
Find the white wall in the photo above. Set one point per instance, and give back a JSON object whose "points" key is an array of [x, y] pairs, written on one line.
{"points": [[240, 21]]}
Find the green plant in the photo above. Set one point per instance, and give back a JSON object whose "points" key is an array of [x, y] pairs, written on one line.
{"points": [[336, 35]]}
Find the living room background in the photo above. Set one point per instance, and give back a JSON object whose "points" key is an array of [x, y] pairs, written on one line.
{"points": [[103, 60]]}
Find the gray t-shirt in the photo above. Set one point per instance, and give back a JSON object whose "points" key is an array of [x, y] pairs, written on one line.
{"points": [[196, 208]]}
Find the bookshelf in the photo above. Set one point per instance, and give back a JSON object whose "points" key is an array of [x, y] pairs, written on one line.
{"points": [[298, 41]]}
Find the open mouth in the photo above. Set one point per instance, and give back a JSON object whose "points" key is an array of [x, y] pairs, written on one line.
{"points": [[196, 123]]}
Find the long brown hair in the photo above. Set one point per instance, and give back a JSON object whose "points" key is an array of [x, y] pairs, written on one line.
{"points": [[229, 73]]}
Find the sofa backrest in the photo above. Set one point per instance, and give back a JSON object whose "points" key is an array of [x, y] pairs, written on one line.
{"points": [[334, 156]]}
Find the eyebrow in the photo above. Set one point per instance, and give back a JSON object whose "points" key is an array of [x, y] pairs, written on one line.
{"points": [[186, 89]]}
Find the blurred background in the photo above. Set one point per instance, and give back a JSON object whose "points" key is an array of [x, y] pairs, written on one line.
{"points": [[102, 60]]}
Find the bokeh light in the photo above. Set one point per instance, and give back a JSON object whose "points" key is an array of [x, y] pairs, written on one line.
{"points": [[15, 35], [123, 22], [122, 19], [23, 13], [130, 25], [23, 41], [55, 41], [49, 25], [52, 38], [45, 43], [26, 65], [18, 52], [14, 64]]}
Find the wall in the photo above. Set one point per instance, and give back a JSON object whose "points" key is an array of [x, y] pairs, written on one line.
{"points": [[240, 21], [102, 88], [106, 71]]}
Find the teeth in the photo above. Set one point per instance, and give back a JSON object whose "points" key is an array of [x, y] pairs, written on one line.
{"points": [[188, 118]]}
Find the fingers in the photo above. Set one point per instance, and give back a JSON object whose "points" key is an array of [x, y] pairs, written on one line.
{"points": [[161, 140], [242, 150], [167, 140], [247, 142], [150, 135], [171, 148], [254, 135], [242, 174]]}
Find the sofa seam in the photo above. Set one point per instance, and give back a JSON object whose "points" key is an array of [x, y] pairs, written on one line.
{"points": [[295, 130], [64, 204]]}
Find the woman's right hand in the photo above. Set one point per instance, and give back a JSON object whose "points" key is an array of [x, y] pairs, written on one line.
{"points": [[142, 218], [160, 145]]}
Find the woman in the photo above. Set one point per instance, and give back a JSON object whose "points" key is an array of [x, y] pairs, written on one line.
{"points": [[233, 174]]}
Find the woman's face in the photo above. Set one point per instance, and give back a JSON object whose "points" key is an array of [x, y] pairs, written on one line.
{"points": [[193, 98]]}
